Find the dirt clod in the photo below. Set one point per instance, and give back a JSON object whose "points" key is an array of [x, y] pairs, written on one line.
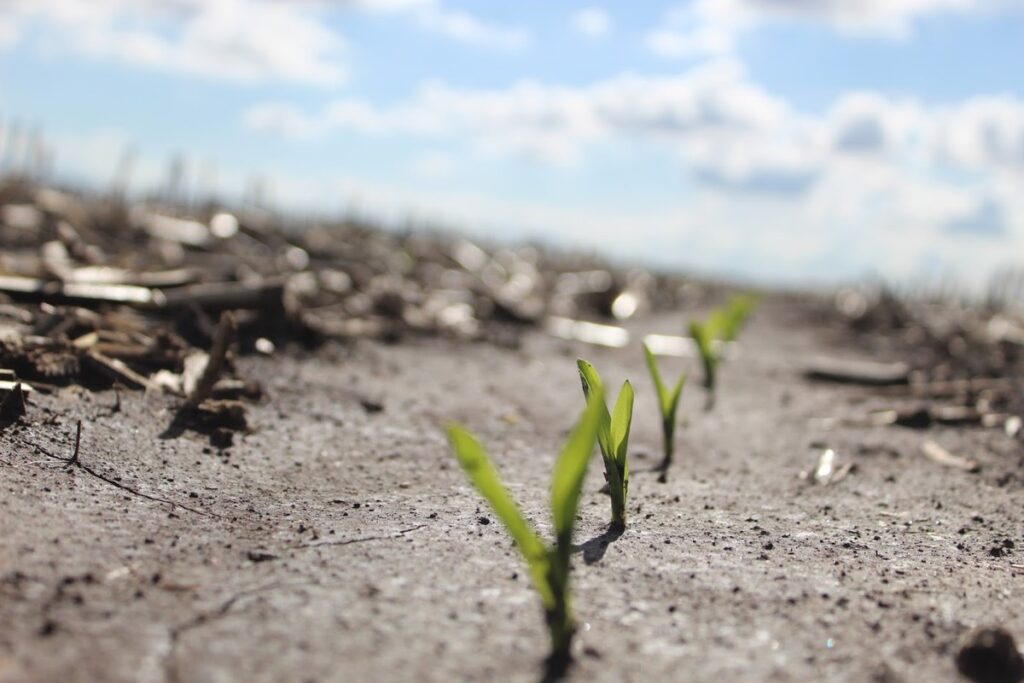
{"points": [[989, 655], [259, 556], [12, 405]]}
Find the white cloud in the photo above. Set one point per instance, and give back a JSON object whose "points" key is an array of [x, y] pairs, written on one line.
{"points": [[592, 22], [694, 30], [695, 42], [985, 219], [468, 29], [728, 133], [251, 41], [458, 25], [868, 123], [754, 163], [713, 27], [724, 127], [981, 133], [893, 140], [872, 182], [888, 17], [243, 40], [549, 123]]}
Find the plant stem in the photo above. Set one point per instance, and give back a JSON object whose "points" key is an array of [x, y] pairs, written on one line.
{"points": [[617, 492], [561, 624], [618, 510], [709, 399], [562, 629], [668, 434]]}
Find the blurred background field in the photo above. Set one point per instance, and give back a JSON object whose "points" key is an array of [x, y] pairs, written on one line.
{"points": [[776, 142]]}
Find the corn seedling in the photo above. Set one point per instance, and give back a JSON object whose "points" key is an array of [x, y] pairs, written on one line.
{"points": [[703, 334], [613, 438], [668, 404], [721, 327], [548, 566], [734, 315]]}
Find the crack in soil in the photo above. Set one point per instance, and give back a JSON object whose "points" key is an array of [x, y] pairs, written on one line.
{"points": [[74, 461], [349, 541], [171, 673]]}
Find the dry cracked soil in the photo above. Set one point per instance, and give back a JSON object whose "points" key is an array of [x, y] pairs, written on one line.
{"points": [[339, 541]]}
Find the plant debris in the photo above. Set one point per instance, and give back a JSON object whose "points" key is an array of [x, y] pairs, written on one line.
{"points": [[828, 469], [937, 453], [857, 372], [924, 416], [98, 291], [968, 352]]}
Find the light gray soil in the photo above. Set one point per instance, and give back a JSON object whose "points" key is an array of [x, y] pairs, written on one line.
{"points": [[339, 544]]}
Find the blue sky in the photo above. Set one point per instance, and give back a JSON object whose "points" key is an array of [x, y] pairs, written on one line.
{"points": [[782, 140]]}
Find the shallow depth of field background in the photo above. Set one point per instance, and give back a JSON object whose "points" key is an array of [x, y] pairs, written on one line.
{"points": [[780, 141]]}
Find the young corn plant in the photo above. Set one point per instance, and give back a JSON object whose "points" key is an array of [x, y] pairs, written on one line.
{"points": [[668, 404], [721, 327], [548, 566], [613, 438], [734, 314], [704, 335]]}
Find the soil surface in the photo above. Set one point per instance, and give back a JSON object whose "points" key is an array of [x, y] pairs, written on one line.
{"points": [[339, 541]]}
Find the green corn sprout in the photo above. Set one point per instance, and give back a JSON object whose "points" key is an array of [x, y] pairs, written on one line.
{"points": [[703, 334], [734, 315], [722, 326], [613, 438], [668, 403], [548, 566]]}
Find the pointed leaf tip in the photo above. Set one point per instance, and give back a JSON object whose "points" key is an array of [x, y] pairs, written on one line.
{"points": [[621, 419], [588, 375], [592, 385]]}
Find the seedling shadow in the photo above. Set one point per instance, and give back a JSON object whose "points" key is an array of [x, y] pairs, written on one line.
{"points": [[657, 468], [555, 668], [594, 549], [646, 469]]}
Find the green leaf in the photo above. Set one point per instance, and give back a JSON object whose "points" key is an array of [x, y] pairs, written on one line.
{"points": [[592, 384], [588, 375], [717, 324], [673, 404], [701, 333], [571, 467], [668, 401], [621, 419], [659, 386], [737, 311], [478, 466]]}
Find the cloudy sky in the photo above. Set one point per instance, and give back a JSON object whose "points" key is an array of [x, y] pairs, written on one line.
{"points": [[785, 140]]}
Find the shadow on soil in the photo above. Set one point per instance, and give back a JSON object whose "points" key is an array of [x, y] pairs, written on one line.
{"points": [[555, 669], [594, 549]]}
